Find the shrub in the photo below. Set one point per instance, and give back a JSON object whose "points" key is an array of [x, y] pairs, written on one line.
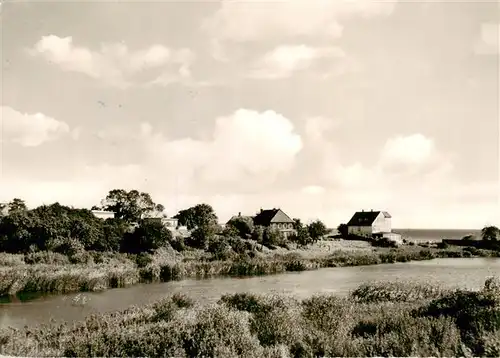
{"points": [[219, 249], [147, 237], [46, 257], [442, 245], [143, 259], [221, 332], [396, 292], [474, 313]]}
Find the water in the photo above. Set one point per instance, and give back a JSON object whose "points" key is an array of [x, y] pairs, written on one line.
{"points": [[434, 235], [466, 273]]}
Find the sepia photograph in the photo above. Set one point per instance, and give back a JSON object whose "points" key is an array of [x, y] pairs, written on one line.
{"points": [[250, 178]]}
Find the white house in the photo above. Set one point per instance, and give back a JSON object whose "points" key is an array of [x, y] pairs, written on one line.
{"points": [[367, 223], [102, 214]]}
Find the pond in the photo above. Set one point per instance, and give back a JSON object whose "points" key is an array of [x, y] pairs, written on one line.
{"points": [[451, 272]]}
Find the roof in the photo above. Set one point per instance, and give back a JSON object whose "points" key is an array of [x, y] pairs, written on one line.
{"points": [[240, 217], [266, 217], [366, 218]]}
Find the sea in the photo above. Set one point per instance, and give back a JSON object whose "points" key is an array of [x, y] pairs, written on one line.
{"points": [[435, 235]]}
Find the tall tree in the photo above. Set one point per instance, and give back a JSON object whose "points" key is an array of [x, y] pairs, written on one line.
{"points": [[317, 230], [16, 206], [201, 215], [130, 205], [490, 233]]}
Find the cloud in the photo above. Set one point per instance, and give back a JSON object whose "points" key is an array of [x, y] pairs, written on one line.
{"points": [[257, 20], [248, 150], [284, 60], [30, 130], [113, 63], [251, 160], [488, 44]]}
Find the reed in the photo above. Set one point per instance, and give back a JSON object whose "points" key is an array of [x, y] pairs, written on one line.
{"points": [[432, 323], [50, 272]]}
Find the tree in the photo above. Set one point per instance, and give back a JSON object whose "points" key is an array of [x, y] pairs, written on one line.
{"points": [[201, 236], [490, 233], [343, 230], [242, 225], [197, 216], [129, 205], [302, 236], [147, 237], [16, 206], [297, 224], [272, 237], [317, 230]]}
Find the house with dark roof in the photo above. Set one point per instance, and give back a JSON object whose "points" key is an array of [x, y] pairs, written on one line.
{"points": [[273, 218], [368, 223]]}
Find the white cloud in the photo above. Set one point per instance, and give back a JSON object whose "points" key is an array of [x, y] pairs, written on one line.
{"points": [[249, 157], [488, 44], [256, 20], [248, 149], [284, 60], [113, 63], [414, 149], [29, 130], [253, 144]]}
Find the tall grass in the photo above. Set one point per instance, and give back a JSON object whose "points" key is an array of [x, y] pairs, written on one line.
{"points": [[51, 273], [457, 323]]}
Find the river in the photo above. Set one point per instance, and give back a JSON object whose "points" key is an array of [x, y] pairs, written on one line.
{"points": [[454, 272]]}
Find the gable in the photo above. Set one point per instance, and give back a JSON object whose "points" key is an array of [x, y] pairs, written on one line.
{"points": [[281, 217], [266, 217]]}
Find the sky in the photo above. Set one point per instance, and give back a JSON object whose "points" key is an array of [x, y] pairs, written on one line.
{"points": [[318, 107]]}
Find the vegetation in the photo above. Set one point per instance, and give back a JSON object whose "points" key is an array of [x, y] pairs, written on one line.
{"points": [[439, 323], [490, 233], [49, 272], [55, 248]]}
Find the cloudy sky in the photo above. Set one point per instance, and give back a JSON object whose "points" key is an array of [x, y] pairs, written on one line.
{"points": [[318, 107]]}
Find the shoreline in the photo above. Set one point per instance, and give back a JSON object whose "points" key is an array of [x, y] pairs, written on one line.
{"points": [[41, 279], [379, 319]]}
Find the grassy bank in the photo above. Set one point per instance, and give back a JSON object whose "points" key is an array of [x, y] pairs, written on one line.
{"points": [[53, 273], [379, 320]]}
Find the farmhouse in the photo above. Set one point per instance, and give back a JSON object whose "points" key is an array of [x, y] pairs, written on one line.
{"points": [[273, 218], [369, 223]]}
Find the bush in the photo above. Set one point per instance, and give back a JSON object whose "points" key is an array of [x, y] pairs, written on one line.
{"points": [[384, 242], [143, 259], [219, 249], [46, 257], [474, 313], [442, 245], [67, 247], [147, 237]]}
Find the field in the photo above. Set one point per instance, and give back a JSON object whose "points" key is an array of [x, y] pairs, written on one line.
{"points": [[49, 272], [398, 319]]}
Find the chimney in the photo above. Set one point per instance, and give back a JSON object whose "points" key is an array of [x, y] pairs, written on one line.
{"points": [[239, 214], [362, 210], [371, 210], [261, 210]]}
